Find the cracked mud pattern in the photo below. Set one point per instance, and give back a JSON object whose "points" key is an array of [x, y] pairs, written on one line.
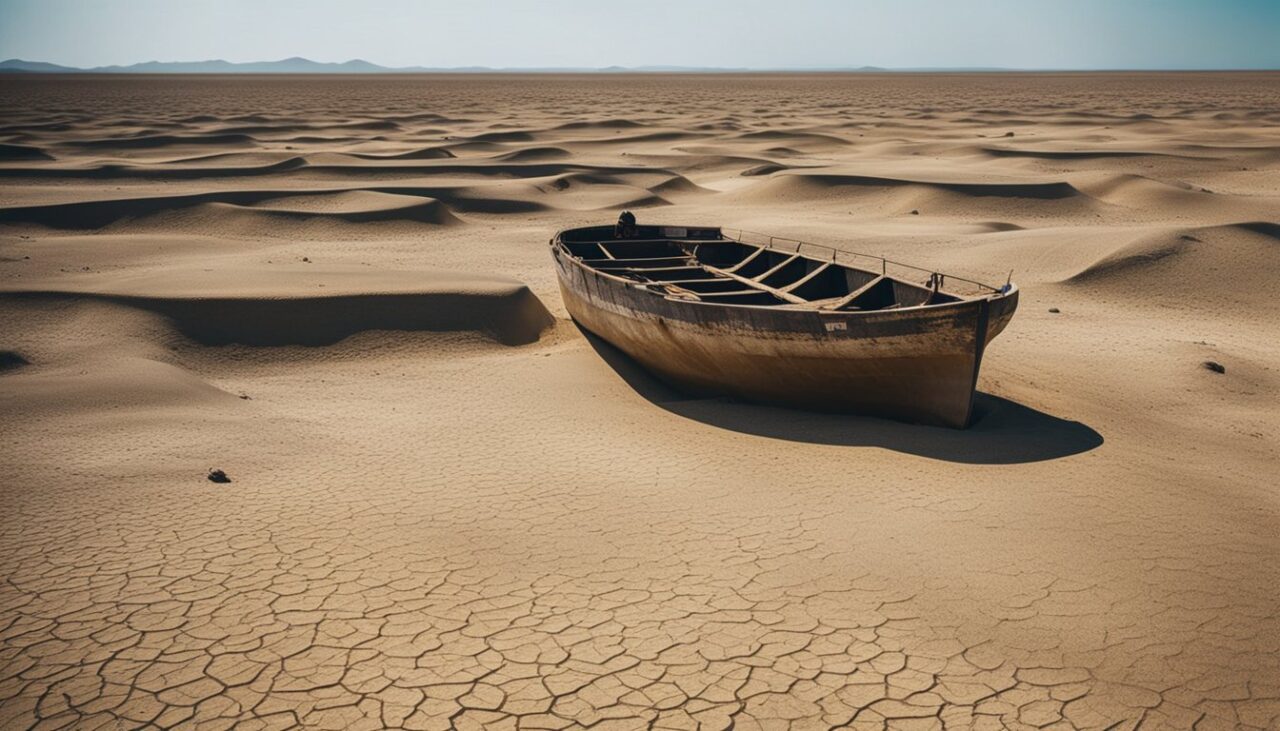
{"points": [[431, 528]]}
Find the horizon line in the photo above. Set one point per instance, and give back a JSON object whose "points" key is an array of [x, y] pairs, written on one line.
{"points": [[358, 66]]}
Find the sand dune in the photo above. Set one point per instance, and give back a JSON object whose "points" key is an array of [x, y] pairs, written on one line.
{"points": [[1046, 190], [534, 154], [449, 508], [22, 152], [602, 124], [795, 139], [1067, 154], [637, 139], [502, 137], [767, 168], [426, 153], [319, 307], [116, 171], [154, 141], [1218, 267], [350, 206], [117, 383], [903, 196]]}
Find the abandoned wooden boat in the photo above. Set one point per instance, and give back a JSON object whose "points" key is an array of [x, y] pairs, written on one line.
{"points": [[783, 322]]}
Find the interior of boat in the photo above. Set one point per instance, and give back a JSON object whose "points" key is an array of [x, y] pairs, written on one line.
{"points": [[702, 265]]}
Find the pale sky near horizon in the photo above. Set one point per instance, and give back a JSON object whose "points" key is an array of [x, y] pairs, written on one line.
{"points": [[1049, 34]]}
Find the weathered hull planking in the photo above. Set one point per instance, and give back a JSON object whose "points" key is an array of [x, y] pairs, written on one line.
{"points": [[915, 363]]}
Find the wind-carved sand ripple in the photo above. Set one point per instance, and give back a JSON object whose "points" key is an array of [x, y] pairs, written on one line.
{"points": [[360, 206], [313, 286]]}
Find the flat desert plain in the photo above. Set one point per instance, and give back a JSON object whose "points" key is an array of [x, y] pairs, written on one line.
{"points": [[450, 508]]}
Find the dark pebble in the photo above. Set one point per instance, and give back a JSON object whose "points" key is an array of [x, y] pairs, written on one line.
{"points": [[1214, 366], [1054, 310], [218, 476]]}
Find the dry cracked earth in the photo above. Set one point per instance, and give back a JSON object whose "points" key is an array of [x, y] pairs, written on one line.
{"points": [[449, 508]]}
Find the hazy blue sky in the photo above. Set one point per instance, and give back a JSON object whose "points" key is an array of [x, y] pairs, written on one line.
{"points": [[749, 33]]}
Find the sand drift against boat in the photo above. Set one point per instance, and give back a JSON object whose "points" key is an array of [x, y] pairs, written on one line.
{"points": [[782, 321]]}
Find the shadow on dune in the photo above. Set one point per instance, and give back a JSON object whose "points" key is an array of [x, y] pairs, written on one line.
{"points": [[1003, 432], [506, 311]]}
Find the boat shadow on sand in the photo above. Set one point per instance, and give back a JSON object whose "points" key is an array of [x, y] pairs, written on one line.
{"points": [[1002, 432]]}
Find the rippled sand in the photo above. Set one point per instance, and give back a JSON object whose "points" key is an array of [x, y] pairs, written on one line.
{"points": [[450, 509]]}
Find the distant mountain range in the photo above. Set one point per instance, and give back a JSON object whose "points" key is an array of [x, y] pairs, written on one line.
{"points": [[298, 65], [285, 66]]}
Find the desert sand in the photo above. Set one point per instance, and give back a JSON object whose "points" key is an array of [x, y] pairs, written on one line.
{"points": [[450, 508]]}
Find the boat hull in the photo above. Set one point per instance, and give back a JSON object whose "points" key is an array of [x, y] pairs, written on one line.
{"points": [[914, 364]]}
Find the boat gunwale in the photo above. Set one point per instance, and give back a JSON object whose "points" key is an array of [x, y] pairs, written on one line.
{"points": [[885, 261], [995, 294]]}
